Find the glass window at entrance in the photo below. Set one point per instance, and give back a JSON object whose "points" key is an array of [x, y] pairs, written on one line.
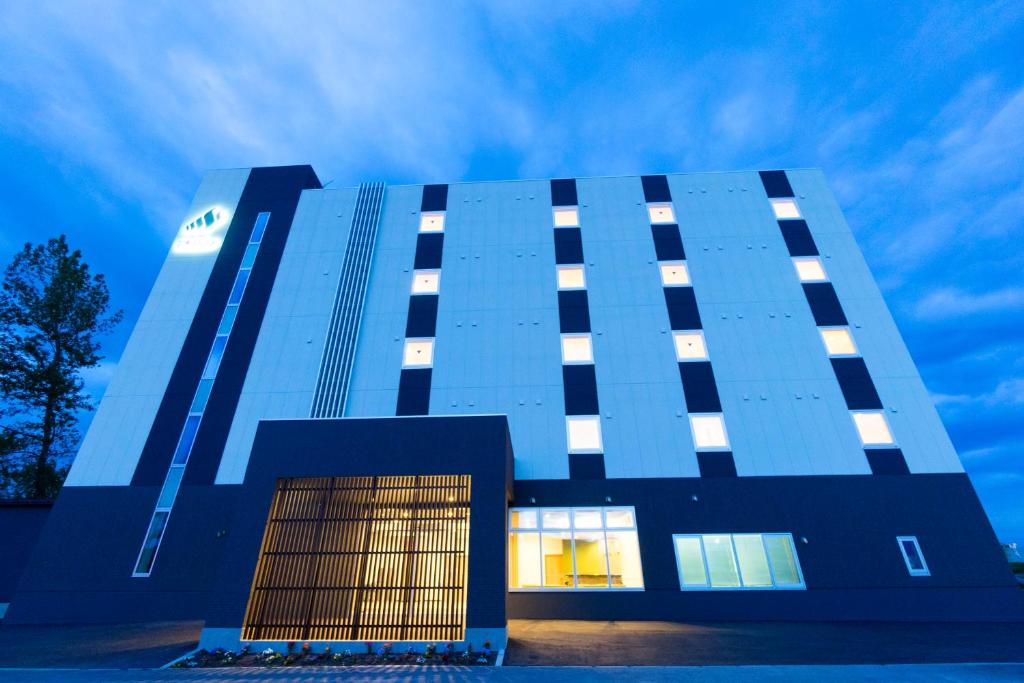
{"points": [[574, 548], [737, 561]]}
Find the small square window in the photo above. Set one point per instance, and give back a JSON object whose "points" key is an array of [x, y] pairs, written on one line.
{"points": [[419, 353], [690, 346], [432, 221], [584, 434], [708, 432], [785, 208], [576, 348], [873, 429], [674, 274], [571, 277], [426, 282], [810, 269], [567, 217], [661, 213], [913, 556], [838, 341]]}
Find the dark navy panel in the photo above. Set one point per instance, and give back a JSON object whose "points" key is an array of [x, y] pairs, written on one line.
{"points": [[586, 466], [798, 238], [886, 461], [668, 244], [716, 464], [428, 250], [422, 320], [21, 523], [776, 184], [699, 387], [275, 190], [414, 392], [563, 192], [573, 311], [858, 389], [656, 188], [435, 198], [682, 308], [568, 246], [825, 306], [580, 382]]}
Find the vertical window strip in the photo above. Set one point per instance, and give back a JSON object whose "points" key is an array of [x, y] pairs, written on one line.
{"points": [[579, 383], [190, 428], [850, 372], [708, 429]]}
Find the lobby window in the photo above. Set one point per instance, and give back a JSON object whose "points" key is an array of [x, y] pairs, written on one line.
{"points": [[566, 217], [809, 269], [571, 277], [737, 562], [426, 282], [873, 428], [912, 555], [432, 221], [576, 348], [584, 434], [785, 208], [674, 273], [690, 346], [838, 341], [419, 353], [709, 432], [661, 213], [574, 549]]}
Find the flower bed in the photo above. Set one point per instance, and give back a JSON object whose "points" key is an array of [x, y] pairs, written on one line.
{"points": [[306, 656]]}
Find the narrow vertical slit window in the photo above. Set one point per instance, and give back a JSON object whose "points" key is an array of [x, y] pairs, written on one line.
{"points": [[912, 556]]}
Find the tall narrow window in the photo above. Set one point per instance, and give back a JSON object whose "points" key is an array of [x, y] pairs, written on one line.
{"points": [[913, 556]]}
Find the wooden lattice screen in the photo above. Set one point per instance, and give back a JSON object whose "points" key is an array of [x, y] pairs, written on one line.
{"points": [[363, 558]]}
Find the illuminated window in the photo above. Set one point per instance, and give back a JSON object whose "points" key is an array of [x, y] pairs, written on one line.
{"points": [[661, 213], [785, 208], [426, 282], [708, 432], [737, 561], [690, 345], [912, 555], [576, 348], [809, 269], [584, 434], [566, 217], [432, 221], [838, 341], [574, 548], [571, 277], [674, 273], [419, 353], [873, 428]]}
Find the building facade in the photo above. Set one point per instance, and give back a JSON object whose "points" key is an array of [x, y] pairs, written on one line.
{"points": [[413, 412]]}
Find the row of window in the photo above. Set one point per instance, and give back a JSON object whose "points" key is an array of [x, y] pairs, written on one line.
{"points": [[598, 549], [419, 352]]}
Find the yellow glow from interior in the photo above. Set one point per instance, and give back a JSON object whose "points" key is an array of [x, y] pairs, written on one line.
{"points": [[708, 431], [785, 208], [674, 274], [432, 221], [809, 269], [571, 277], [418, 353], [690, 346], [838, 342], [567, 217], [661, 213], [873, 429]]}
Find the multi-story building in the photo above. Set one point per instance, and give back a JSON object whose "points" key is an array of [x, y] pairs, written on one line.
{"points": [[412, 412]]}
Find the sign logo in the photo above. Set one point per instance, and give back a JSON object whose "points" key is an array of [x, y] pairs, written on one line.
{"points": [[203, 234]]}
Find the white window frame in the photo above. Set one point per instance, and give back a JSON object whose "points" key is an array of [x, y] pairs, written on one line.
{"points": [[703, 342], [564, 210], [739, 573], [590, 345], [420, 273], [781, 201], [580, 418], [843, 328], [906, 560], [583, 272], [874, 444], [674, 264], [571, 529], [430, 229], [651, 206], [725, 431], [405, 344], [815, 259]]}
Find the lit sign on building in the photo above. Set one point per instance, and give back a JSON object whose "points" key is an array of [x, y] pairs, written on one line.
{"points": [[203, 234]]}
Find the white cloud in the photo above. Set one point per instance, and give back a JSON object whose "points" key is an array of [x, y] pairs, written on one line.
{"points": [[950, 302]]}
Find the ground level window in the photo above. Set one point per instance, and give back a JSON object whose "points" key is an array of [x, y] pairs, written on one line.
{"points": [[574, 548], [737, 561], [912, 555]]}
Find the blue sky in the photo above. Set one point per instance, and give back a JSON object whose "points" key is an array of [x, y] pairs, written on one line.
{"points": [[110, 112]]}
